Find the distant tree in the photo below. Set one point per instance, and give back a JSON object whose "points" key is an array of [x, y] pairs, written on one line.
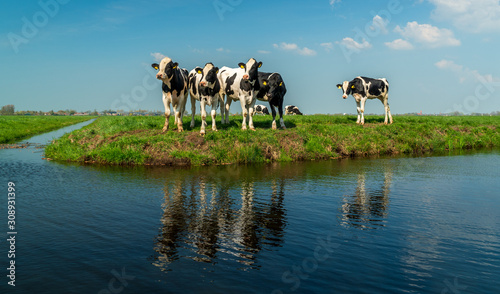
{"points": [[94, 113], [7, 110]]}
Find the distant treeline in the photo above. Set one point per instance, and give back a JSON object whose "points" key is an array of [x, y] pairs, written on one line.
{"points": [[10, 110]]}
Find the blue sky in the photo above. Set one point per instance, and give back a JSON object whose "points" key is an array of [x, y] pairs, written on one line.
{"points": [[438, 55]]}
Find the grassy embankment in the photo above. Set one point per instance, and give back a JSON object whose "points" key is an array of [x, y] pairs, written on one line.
{"points": [[139, 140], [15, 128]]}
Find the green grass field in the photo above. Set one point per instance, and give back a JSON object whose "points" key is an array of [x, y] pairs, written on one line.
{"points": [[139, 140], [15, 128]]}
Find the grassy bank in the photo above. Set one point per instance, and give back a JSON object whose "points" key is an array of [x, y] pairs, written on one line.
{"points": [[138, 140], [15, 128]]}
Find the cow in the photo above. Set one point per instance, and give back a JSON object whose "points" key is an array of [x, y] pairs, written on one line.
{"points": [[273, 90], [174, 88], [292, 110], [261, 109], [362, 88], [241, 84], [204, 86]]}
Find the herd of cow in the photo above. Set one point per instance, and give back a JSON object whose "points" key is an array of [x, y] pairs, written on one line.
{"points": [[213, 86]]}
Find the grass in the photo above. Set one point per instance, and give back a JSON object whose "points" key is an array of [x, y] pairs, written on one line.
{"points": [[139, 140], [15, 128]]}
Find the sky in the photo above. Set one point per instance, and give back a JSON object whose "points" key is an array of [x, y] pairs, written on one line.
{"points": [[439, 56]]}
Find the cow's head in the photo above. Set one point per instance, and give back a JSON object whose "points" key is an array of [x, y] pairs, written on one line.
{"points": [[165, 68], [345, 89], [209, 75], [251, 69], [350, 87], [274, 86]]}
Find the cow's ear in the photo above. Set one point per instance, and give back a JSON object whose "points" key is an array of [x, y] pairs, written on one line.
{"points": [[155, 66], [260, 64], [175, 65], [264, 82], [353, 87], [339, 86], [281, 84], [216, 70], [241, 65], [198, 70]]}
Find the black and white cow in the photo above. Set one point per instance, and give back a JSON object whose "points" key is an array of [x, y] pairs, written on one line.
{"points": [[362, 88], [261, 109], [204, 86], [174, 88], [292, 110], [273, 90], [241, 84]]}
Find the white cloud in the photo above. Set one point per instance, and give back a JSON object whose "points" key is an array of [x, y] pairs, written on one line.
{"points": [[222, 50], [263, 52], [399, 44], [328, 46], [379, 24], [464, 73], [333, 2], [350, 44], [294, 47], [469, 15], [158, 56], [428, 35]]}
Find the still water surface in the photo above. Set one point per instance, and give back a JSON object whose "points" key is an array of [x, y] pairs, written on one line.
{"points": [[386, 225]]}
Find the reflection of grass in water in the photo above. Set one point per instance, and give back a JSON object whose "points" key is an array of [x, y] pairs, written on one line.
{"points": [[15, 128], [139, 140]]}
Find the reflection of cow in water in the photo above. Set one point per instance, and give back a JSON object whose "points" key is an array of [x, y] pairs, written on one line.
{"points": [[367, 208], [210, 217]]}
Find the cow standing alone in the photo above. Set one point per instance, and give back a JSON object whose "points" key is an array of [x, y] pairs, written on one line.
{"points": [[174, 88], [362, 88]]}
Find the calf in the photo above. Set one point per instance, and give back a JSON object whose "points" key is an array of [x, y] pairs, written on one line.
{"points": [[204, 86], [362, 88], [273, 90], [241, 84], [261, 109], [174, 88], [292, 110]]}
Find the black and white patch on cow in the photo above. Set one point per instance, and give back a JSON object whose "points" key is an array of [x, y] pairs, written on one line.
{"points": [[273, 90], [292, 110], [363, 88], [204, 86], [241, 84], [174, 88], [261, 109]]}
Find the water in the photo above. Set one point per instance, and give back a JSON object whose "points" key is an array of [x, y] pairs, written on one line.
{"points": [[386, 225]]}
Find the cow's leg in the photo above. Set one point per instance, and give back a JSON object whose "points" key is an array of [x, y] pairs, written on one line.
{"points": [[244, 113], [251, 112], [203, 112], [227, 106], [273, 112], [387, 111], [358, 108], [193, 110], [166, 102], [280, 110], [213, 112], [363, 102], [220, 102], [183, 106], [178, 109]]}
